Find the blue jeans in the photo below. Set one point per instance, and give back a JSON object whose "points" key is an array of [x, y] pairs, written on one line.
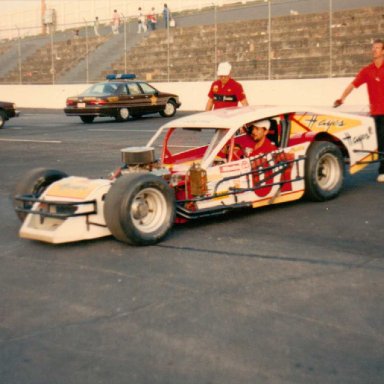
{"points": [[379, 122]]}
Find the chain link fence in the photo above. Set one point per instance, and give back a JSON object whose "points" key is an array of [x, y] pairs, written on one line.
{"points": [[276, 39]]}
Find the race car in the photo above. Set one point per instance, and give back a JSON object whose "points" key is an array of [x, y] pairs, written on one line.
{"points": [[7, 111], [120, 97], [194, 167]]}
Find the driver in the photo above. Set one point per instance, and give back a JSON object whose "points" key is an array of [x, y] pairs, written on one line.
{"points": [[260, 142], [255, 142]]}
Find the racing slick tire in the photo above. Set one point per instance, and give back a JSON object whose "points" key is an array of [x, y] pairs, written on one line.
{"points": [[169, 110], [122, 114], [324, 171], [139, 209], [34, 183], [87, 119], [3, 118]]}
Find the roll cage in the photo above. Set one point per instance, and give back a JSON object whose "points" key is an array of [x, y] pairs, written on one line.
{"points": [[220, 137]]}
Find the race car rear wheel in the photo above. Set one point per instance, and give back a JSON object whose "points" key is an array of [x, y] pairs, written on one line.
{"points": [[123, 114], [169, 110], [87, 119], [324, 171], [33, 184], [139, 209]]}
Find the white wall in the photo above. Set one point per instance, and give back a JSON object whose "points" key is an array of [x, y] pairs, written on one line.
{"points": [[193, 95]]}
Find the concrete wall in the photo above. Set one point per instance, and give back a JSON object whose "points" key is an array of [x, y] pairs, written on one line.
{"points": [[193, 95]]}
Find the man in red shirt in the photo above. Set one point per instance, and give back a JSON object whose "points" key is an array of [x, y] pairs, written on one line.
{"points": [[254, 143], [261, 144], [225, 92], [373, 76]]}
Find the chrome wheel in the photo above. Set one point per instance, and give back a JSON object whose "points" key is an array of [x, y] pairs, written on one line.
{"points": [[140, 208], [324, 171], [123, 114], [328, 172], [2, 119], [149, 210], [169, 110]]}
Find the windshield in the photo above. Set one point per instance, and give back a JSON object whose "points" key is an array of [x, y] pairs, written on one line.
{"points": [[187, 144], [148, 89]]}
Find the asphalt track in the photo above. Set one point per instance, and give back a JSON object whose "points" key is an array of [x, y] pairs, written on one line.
{"points": [[285, 294]]}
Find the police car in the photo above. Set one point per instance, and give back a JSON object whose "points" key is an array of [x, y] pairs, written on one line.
{"points": [[191, 168], [120, 97], [7, 111]]}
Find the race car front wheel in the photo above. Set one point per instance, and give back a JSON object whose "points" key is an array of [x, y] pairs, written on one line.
{"points": [[139, 209], [324, 171], [33, 184], [123, 114], [169, 110]]}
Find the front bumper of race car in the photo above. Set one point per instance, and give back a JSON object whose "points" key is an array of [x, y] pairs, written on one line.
{"points": [[69, 210]]}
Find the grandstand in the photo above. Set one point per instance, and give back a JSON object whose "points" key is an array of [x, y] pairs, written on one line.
{"points": [[47, 64], [312, 45]]}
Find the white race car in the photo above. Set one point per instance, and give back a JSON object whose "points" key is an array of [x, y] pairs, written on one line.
{"points": [[196, 166]]}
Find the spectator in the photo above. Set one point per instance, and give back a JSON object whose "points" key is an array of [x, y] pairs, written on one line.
{"points": [[166, 15], [141, 25], [373, 76], [225, 92], [152, 19], [96, 26], [115, 22]]}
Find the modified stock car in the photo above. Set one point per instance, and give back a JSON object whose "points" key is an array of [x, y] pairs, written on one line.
{"points": [[195, 167], [120, 96]]}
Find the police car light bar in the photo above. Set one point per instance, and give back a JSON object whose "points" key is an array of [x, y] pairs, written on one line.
{"points": [[123, 76]]}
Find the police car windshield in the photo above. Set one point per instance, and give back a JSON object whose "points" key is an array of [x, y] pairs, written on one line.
{"points": [[101, 89]]}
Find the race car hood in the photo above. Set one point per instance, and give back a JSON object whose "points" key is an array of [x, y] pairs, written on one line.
{"points": [[74, 188]]}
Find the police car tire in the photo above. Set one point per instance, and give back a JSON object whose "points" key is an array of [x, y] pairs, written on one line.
{"points": [[324, 171], [87, 119], [3, 118], [169, 110], [139, 209], [123, 114], [34, 183]]}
